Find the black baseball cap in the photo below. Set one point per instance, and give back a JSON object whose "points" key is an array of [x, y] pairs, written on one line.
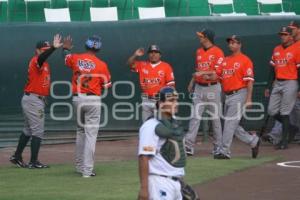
{"points": [[207, 33], [166, 92], [294, 24], [154, 47], [43, 44], [285, 30], [234, 38]]}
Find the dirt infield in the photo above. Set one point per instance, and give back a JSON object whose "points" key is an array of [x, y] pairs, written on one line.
{"points": [[267, 182]]}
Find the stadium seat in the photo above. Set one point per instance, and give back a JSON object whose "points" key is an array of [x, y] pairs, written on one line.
{"points": [[68, 1], [212, 3], [28, 1], [261, 3], [57, 15], [104, 14], [7, 8], [151, 13]]}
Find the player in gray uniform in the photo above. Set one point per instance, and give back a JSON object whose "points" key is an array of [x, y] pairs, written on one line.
{"points": [[284, 62], [237, 77], [207, 91], [33, 103], [90, 77]]}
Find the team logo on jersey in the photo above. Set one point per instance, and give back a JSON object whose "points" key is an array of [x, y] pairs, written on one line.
{"points": [[145, 71], [86, 65], [289, 55], [203, 65], [161, 73], [236, 65], [220, 60], [151, 81], [249, 72], [277, 53], [211, 58]]}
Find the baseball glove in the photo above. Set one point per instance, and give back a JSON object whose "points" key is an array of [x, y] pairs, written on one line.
{"points": [[188, 192]]}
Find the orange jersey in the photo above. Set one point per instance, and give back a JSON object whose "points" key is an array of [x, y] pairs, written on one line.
{"points": [[235, 72], [286, 61], [38, 78], [206, 60], [90, 74], [153, 77]]}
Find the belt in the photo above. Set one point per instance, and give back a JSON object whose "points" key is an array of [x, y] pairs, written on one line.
{"points": [[280, 79], [85, 94], [174, 178], [40, 97], [153, 97], [207, 84], [233, 91]]}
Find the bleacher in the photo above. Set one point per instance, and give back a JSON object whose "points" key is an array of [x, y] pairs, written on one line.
{"points": [[15, 10]]}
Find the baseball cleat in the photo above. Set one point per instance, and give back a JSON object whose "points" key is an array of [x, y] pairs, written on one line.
{"points": [[189, 151], [37, 165], [93, 174], [255, 150], [17, 161], [221, 157]]}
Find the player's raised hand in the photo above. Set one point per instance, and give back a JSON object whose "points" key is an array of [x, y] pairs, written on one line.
{"points": [[139, 52], [68, 43], [57, 41]]}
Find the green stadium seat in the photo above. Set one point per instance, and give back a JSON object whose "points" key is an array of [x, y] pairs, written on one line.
{"points": [[212, 3], [7, 8], [261, 3], [30, 1]]}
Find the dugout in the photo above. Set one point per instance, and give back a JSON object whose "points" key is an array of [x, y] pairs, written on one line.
{"points": [[175, 36]]}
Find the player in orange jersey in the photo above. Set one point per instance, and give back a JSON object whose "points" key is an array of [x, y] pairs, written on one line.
{"points": [[236, 73], [33, 103], [207, 90], [90, 77], [285, 63], [153, 74]]}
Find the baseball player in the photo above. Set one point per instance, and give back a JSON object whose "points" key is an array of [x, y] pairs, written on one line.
{"points": [[275, 134], [90, 76], [153, 74], [33, 103], [237, 76], [161, 165], [284, 63], [207, 90]]}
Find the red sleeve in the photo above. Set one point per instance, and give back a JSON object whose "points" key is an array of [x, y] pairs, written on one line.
{"points": [[137, 65], [69, 60], [248, 73], [297, 57], [169, 76], [106, 78]]}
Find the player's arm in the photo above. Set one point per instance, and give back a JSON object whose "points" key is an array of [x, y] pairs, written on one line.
{"points": [[106, 80], [191, 85], [169, 76], [144, 175], [249, 93], [131, 60], [67, 47], [43, 56]]}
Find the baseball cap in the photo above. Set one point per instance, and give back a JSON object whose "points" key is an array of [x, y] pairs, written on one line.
{"points": [[207, 33], [154, 47], [43, 44], [285, 31], [93, 42], [234, 38], [294, 24], [166, 92]]}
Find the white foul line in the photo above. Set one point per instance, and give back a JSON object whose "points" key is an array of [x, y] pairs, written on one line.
{"points": [[288, 164]]}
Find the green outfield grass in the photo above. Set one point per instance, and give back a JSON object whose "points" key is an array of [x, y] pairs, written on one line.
{"points": [[115, 180]]}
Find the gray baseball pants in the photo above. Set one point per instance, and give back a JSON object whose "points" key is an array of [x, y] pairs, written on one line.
{"points": [[206, 98], [87, 109], [233, 110], [34, 115]]}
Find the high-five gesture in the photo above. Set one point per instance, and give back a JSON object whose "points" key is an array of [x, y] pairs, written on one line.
{"points": [[57, 41], [68, 43]]}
